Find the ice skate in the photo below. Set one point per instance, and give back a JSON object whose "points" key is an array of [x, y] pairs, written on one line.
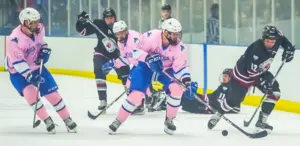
{"points": [[262, 124], [213, 121], [170, 128], [50, 125], [114, 126], [102, 106], [71, 125]]}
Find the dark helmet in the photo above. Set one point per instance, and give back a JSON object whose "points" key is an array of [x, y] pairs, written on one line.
{"points": [[109, 12], [227, 71], [270, 32], [166, 7]]}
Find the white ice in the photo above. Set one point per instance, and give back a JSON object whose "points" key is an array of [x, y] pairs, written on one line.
{"points": [[80, 95]]}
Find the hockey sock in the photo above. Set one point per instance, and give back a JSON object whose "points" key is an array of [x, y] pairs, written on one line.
{"points": [[269, 104], [101, 88], [267, 107], [134, 99], [30, 94], [57, 102], [174, 100]]}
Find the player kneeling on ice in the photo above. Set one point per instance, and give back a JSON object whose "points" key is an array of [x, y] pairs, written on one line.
{"points": [[162, 52], [214, 99], [252, 70], [26, 50]]}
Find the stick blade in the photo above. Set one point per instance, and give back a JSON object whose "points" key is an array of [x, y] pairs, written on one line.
{"points": [[91, 116], [246, 123], [37, 123], [259, 134]]}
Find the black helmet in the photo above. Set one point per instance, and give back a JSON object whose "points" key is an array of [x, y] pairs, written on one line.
{"points": [[227, 71], [166, 7], [270, 32], [109, 12]]}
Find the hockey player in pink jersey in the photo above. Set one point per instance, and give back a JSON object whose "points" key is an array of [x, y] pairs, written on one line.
{"points": [[129, 43], [162, 50], [26, 49]]}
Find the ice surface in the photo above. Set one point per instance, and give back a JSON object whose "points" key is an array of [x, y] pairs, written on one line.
{"points": [[80, 96]]}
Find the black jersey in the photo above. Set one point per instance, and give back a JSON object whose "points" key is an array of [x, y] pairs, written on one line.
{"points": [[104, 46], [257, 60], [221, 92]]}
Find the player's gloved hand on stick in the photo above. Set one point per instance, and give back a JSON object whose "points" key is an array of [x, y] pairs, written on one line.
{"points": [[288, 55], [34, 77], [107, 66], [191, 90], [155, 63], [43, 54], [266, 85], [83, 17]]}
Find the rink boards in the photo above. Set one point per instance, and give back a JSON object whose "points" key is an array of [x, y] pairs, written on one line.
{"points": [[74, 56]]}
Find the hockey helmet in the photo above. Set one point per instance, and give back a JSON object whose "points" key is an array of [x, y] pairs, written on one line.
{"points": [[118, 29], [166, 7], [109, 12], [270, 32], [174, 28], [29, 14]]}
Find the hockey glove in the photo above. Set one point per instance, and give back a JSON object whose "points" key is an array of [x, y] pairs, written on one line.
{"points": [[43, 54], [83, 17], [107, 66], [266, 86], [191, 90], [155, 63], [288, 55], [34, 78]]}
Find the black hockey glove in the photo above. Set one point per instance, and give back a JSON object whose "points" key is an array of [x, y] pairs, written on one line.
{"points": [[288, 55], [266, 85], [82, 17]]}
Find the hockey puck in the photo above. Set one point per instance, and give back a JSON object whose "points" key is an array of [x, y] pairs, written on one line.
{"points": [[224, 132]]}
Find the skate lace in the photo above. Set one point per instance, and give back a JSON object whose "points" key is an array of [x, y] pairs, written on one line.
{"points": [[69, 122], [116, 123], [170, 121], [103, 103]]}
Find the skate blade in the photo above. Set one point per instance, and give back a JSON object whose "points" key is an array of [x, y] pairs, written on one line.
{"points": [[111, 132], [168, 131], [257, 130], [52, 131], [72, 131]]}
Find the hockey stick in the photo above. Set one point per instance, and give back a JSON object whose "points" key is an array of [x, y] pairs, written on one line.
{"points": [[38, 122], [247, 123], [251, 135], [93, 117]]}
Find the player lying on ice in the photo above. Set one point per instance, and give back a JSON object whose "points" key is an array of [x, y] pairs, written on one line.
{"points": [[251, 69], [26, 49], [214, 99], [154, 52]]}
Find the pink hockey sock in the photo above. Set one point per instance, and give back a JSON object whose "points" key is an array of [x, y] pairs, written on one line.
{"points": [[57, 102], [148, 92], [30, 94], [173, 101], [134, 99]]}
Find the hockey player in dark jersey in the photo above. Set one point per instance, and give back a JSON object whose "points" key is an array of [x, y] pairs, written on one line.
{"points": [[252, 70], [214, 99], [105, 50]]}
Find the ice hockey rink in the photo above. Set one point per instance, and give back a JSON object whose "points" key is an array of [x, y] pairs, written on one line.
{"points": [[147, 130]]}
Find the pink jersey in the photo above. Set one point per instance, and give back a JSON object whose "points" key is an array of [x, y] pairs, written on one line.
{"points": [[22, 51], [174, 57], [130, 50]]}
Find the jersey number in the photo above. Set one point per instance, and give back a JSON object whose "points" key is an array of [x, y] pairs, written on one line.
{"points": [[222, 96], [254, 67]]}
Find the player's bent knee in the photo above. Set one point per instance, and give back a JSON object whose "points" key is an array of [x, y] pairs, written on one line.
{"points": [[176, 90], [31, 97], [136, 97], [274, 97]]}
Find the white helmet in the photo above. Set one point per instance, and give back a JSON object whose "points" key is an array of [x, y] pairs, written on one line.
{"points": [[119, 26], [172, 25], [29, 14]]}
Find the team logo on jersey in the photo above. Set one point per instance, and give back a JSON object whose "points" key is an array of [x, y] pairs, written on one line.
{"points": [[109, 45], [225, 88], [255, 57], [109, 32], [16, 40], [182, 47], [265, 65], [149, 33], [135, 39]]}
